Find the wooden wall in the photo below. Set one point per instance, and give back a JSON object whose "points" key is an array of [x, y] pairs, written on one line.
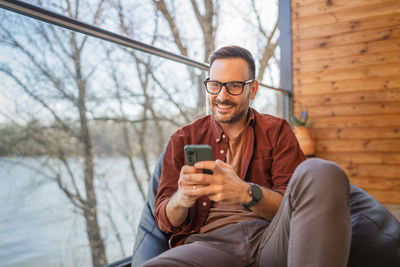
{"points": [[346, 73]]}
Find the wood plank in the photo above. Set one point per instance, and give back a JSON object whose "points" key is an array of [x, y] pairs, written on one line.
{"points": [[302, 3], [328, 34], [362, 72], [347, 62], [351, 109], [354, 14], [358, 145], [338, 133], [385, 196], [299, 3], [376, 183], [359, 121], [331, 39], [383, 158], [377, 96], [346, 86], [368, 170], [346, 50], [326, 7]]}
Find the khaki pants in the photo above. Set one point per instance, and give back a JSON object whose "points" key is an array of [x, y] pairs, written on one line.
{"points": [[311, 228]]}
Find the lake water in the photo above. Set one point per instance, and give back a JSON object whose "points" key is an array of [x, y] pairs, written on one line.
{"points": [[40, 227]]}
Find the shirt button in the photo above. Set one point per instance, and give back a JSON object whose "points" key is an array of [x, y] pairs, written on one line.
{"points": [[221, 151], [217, 140], [223, 136], [204, 204]]}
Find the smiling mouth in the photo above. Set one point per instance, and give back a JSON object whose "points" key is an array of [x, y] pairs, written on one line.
{"points": [[223, 108]]}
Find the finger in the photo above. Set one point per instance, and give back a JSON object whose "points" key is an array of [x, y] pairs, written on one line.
{"points": [[214, 166], [222, 164], [199, 190], [210, 165], [193, 191], [197, 178], [185, 180], [185, 183], [189, 193], [189, 169], [193, 187]]}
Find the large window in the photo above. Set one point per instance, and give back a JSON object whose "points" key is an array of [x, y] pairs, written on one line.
{"points": [[82, 123]]}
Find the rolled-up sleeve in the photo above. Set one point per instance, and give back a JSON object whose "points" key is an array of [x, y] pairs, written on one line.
{"points": [[172, 164]]}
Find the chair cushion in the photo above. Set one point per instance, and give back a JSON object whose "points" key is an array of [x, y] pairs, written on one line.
{"points": [[375, 232]]}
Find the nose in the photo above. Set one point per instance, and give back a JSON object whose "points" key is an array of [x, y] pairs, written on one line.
{"points": [[223, 94]]}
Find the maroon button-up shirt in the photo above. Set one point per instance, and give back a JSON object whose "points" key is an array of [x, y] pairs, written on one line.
{"points": [[269, 157]]}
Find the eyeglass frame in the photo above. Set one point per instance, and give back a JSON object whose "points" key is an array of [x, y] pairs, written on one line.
{"points": [[226, 87]]}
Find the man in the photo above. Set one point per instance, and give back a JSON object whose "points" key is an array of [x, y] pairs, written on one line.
{"points": [[247, 213]]}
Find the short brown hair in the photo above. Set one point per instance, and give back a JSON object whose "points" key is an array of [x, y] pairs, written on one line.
{"points": [[235, 52]]}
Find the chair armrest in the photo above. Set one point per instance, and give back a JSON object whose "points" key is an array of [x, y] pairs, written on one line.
{"points": [[375, 232], [150, 241]]}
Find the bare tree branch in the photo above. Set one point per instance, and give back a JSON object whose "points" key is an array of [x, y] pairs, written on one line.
{"points": [[111, 219], [162, 7], [129, 151], [255, 10], [268, 52], [38, 99]]}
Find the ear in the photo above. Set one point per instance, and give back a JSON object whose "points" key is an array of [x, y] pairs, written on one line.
{"points": [[254, 89]]}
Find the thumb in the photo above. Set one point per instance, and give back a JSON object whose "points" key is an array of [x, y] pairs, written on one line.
{"points": [[222, 164]]}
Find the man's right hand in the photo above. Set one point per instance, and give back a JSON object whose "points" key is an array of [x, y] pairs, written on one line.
{"points": [[179, 203], [181, 198]]}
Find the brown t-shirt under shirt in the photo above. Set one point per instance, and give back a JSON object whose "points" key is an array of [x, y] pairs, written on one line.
{"points": [[220, 214]]}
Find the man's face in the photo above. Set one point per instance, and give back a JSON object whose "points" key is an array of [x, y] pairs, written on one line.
{"points": [[227, 108]]}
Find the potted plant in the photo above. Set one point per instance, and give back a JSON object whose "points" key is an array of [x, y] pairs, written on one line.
{"points": [[302, 131]]}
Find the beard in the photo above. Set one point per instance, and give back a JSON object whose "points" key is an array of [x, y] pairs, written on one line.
{"points": [[237, 114]]}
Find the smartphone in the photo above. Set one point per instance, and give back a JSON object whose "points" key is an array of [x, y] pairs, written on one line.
{"points": [[195, 153]]}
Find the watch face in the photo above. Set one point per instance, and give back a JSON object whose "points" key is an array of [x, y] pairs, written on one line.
{"points": [[256, 192]]}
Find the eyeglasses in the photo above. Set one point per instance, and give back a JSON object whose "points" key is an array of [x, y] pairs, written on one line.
{"points": [[233, 88]]}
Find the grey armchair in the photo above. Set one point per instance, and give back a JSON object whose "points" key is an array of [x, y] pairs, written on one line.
{"points": [[375, 231]]}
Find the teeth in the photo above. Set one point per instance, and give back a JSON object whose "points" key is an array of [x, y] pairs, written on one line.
{"points": [[224, 106]]}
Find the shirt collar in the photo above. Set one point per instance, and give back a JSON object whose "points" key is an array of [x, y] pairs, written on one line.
{"points": [[250, 117], [219, 132]]}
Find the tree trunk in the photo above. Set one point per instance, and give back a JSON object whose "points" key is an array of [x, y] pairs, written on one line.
{"points": [[90, 209]]}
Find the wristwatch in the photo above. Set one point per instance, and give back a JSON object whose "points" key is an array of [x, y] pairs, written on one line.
{"points": [[256, 195]]}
